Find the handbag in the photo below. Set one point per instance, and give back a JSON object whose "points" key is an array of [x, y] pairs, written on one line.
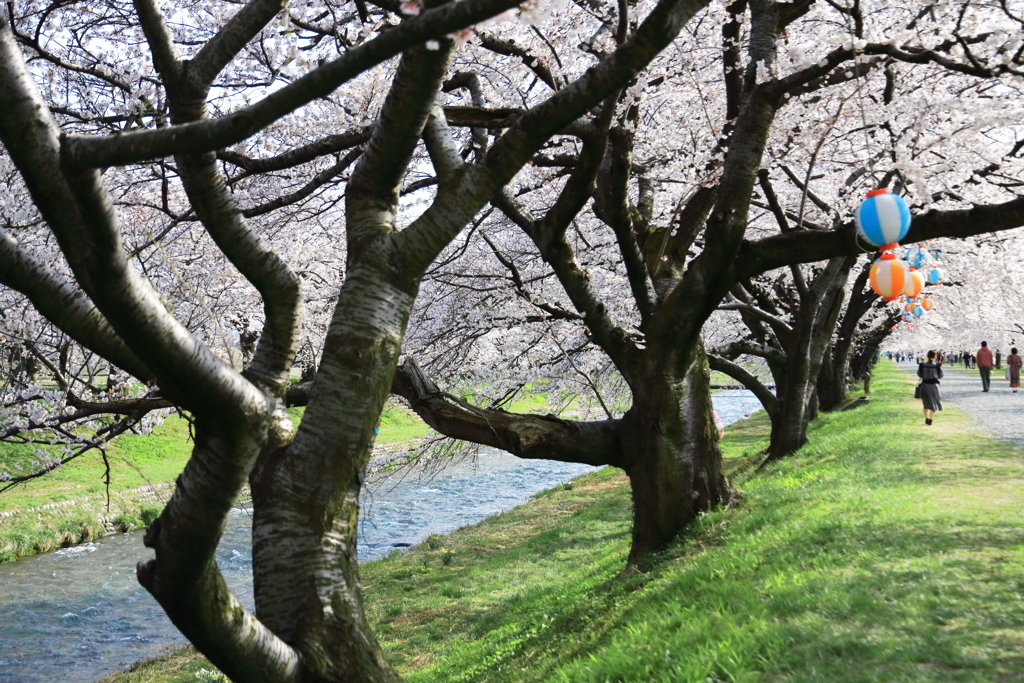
{"points": [[917, 390]]}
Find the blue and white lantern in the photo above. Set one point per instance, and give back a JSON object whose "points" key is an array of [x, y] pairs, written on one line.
{"points": [[906, 316], [916, 257], [935, 276], [917, 310], [882, 219]]}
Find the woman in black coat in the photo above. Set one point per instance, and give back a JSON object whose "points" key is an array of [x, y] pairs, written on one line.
{"points": [[930, 373]]}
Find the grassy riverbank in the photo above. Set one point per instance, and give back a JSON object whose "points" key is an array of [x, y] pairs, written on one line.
{"points": [[69, 505], [883, 551]]}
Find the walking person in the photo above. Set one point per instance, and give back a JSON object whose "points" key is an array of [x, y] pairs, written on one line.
{"points": [[930, 373], [983, 359], [1013, 363]]}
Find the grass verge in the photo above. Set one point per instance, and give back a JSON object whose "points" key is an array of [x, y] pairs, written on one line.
{"points": [[69, 506], [882, 551]]}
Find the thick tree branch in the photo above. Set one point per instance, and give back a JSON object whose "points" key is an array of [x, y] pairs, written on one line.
{"points": [[471, 82], [161, 44], [806, 247], [444, 153], [234, 35], [612, 205], [732, 61], [65, 306], [543, 437], [739, 348], [80, 214], [747, 379]]}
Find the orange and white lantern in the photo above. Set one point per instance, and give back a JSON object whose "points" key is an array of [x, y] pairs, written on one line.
{"points": [[914, 284], [889, 276]]}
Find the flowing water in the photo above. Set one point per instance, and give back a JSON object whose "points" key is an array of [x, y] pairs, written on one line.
{"points": [[78, 614]]}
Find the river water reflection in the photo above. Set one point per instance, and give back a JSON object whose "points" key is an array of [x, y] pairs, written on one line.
{"points": [[78, 614]]}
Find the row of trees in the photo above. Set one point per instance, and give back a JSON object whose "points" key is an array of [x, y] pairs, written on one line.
{"points": [[202, 196]]}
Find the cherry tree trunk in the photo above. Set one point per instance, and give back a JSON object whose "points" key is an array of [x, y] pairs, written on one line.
{"points": [[832, 379], [812, 339], [670, 448], [306, 496], [789, 428]]}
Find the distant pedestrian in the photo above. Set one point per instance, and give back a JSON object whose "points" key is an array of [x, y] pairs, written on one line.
{"points": [[984, 361], [1013, 363], [930, 373], [999, 359]]}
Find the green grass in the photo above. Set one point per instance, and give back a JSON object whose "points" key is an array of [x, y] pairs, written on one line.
{"points": [[140, 460], [882, 551], [399, 424], [135, 461]]}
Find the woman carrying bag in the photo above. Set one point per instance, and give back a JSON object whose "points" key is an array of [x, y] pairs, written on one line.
{"points": [[930, 373]]}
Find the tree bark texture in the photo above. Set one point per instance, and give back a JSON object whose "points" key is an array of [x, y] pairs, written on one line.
{"points": [[834, 378], [671, 454], [813, 326], [667, 443], [306, 496]]}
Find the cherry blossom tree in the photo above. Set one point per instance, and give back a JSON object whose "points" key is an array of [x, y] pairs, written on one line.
{"points": [[611, 260], [173, 167], [863, 326], [181, 109], [790, 326]]}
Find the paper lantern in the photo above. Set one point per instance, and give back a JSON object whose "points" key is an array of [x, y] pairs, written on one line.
{"points": [[909, 305], [882, 219], [935, 276], [927, 303], [889, 276], [915, 283], [916, 257], [906, 316], [918, 310]]}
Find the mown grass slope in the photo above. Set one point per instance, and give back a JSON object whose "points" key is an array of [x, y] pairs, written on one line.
{"points": [[882, 551]]}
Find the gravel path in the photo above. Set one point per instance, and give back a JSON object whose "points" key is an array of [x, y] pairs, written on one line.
{"points": [[1000, 411]]}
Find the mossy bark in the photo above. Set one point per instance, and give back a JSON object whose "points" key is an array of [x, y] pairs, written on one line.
{"points": [[670, 452]]}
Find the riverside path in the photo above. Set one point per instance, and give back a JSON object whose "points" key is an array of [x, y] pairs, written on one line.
{"points": [[999, 412]]}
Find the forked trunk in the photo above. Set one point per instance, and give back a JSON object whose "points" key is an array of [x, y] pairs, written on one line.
{"points": [[306, 496], [670, 443], [812, 335]]}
